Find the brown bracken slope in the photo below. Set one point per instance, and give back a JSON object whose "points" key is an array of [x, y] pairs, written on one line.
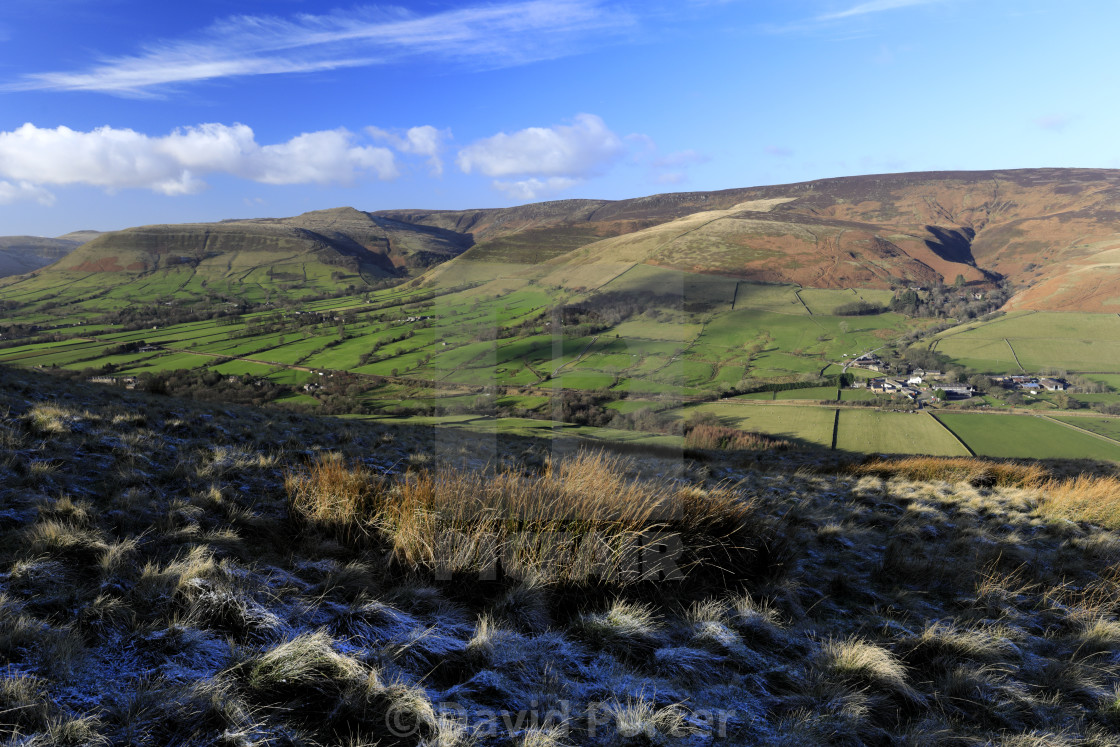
{"points": [[1054, 234]]}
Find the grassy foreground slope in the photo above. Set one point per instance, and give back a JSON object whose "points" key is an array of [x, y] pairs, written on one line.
{"points": [[173, 573]]}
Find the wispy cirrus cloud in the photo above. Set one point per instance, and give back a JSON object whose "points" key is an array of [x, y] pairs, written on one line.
{"points": [[835, 20], [486, 36], [873, 6]]}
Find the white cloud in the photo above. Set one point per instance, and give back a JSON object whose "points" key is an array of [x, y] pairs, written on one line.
{"points": [[489, 35], [21, 191], [319, 158], [581, 149], [525, 190], [873, 6], [174, 164], [424, 140]]}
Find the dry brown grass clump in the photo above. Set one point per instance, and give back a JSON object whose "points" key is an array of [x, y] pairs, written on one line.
{"points": [[335, 495], [720, 437], [1084, 498], [582, 518], [978, 472]]}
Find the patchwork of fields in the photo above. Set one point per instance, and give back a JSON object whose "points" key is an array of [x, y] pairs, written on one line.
{"points": [[870, 431], [717, 334], [691, 336]]}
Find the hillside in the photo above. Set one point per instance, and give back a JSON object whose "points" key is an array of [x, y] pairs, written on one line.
{"points": [[22, 254], [343, 237], [1052, 233], [177, 573]]}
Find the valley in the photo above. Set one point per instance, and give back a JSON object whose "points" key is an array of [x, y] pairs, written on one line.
{"points": [[719, 468], [632, 318]]}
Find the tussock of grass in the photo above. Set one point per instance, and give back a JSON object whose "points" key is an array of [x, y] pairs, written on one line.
{"points": [[549, 736], [23, 705], [307, 662], [47, 420], [334, 495], [862, 664], [582, 519], [625, 627], [943, 646], [641, 721], [978, 472], [1084, 498], [65, 541], [719, 437]]}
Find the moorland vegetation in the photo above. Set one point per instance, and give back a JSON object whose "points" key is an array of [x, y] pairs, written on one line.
{"points": [[175, 572]]}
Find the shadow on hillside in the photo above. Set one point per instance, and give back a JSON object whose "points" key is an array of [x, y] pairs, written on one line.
{"points": [[952, 245]]}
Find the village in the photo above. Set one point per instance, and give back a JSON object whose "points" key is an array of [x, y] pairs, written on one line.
{"points": [[924, 387]]}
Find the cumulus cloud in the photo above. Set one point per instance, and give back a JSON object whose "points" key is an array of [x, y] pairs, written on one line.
{"points": [[525, 190], [488, 35], [580, 149], [551, 159], [174, 164], [424, 140], [24, 191]]}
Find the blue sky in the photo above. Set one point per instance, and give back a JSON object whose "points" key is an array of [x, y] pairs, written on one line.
{"points": [[122, 112]]}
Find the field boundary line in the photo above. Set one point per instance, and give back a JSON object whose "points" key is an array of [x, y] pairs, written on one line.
{"points": [[1014, 355], [577, 359], [802, 300], [835, 427], [952, 433], [1079, 428]]}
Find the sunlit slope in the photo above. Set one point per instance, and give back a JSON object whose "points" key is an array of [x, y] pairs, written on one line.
{"points": [[751, 241], [316, 252], [344, 237], [1053, 233]]}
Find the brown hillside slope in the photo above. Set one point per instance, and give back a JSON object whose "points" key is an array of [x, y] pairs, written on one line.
{"points": [[341, 236], [1052, 232]]}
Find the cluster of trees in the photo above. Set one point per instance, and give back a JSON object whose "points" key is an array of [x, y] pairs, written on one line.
{"points": [[162, 314], [209, 386], [859, 308], [944, 302], [604, 310], [15, 335]]}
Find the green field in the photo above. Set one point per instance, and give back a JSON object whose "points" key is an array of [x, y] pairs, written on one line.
{"points": [[1026, 437], [807, 425], [1109, 427], [871, 431], [818, 393], [1041, 340]]}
